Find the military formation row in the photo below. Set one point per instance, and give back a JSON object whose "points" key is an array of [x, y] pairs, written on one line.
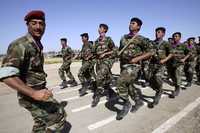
{"points": [[22, 69]]}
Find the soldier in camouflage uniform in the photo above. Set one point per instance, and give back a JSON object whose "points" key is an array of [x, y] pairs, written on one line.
{"points": [[156, 67], [22, 70], [189, 65], [176, 62], [67, 55], [104, 50], [170, 40], [87, 69], [197, 67], [135, 48]]}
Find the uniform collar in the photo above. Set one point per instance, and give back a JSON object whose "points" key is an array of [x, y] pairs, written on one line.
{"points": [[36, 44], [190, 46], [176, 44]]}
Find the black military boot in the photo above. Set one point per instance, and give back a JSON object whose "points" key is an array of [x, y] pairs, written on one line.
{"points": [[137, 99], [108, 92], [96, 98], [138, 103], [63, 104], [83, 90], [157, 97], [189, 84], [73, 83], [63, 84], [176, 91], [124, 111], [198, 82]]}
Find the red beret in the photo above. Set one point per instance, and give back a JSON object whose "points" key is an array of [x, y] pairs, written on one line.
{"points": [[35, 14]]}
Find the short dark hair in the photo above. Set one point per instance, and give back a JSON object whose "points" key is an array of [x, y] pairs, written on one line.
{"points": [[176, 33], [191, 38], [63, 39], [161, 28], [85, 35], [170, 38], [105, 26], [137, 20]]}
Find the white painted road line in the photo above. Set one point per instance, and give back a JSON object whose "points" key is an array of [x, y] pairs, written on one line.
{"points": [[76, 97], [175, 119], [102, 123], [87, 107], [109, 120], [67, 91]]}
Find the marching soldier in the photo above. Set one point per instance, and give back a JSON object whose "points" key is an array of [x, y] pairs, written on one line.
{"points": [[170, 40], [176, 62], [104, 50], [67, 55], [86, 71], [197, 67], [189, 65], [22, 70], [133, 49], [156, 67]]}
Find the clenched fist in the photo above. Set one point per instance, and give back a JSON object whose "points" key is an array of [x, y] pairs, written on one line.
{"points": [[42, 95]]}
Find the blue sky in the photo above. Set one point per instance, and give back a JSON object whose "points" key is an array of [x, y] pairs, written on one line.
{"points": [[70, 18]]}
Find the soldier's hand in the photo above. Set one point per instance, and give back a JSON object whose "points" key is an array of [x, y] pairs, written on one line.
{"points": [[101, 56], [162, 61], [42, 95], [134, 61], [182, 60]]}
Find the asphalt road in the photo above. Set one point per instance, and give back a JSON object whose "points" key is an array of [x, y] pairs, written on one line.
{"points": [[179, 115]]}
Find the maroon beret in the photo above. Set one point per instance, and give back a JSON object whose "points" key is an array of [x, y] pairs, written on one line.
{"points": [[35, 14]]}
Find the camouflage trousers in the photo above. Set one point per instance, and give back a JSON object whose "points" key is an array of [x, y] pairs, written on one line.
{"points": [[48, 116], [143, 71], [154, 76], [65, 68], [197, 68], [174, 72], [86, 71], [104, 75], [125, 83], [189, 71]]}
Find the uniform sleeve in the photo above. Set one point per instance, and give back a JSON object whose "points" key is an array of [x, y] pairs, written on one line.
{"points": [[148, 46], [71, 52], [113, 47], [168, 48], [11, 64], [111, 43], [94, 46], [186, 50], [121, 44]]}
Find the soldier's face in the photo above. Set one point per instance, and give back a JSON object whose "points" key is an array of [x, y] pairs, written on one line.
{"points": [[36, 28], [63, 43], [191, 42], [160, 34], [176, 38], [84, 39], [171, 41], [101, 30], [133, 26]]}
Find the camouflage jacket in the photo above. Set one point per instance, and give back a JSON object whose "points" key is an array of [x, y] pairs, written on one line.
{"points": [[136, 48], [67, 54], [103, 46], [86, 51], [161, 49], [24, 59], [180, 50], [192, 51], [197, 46]]}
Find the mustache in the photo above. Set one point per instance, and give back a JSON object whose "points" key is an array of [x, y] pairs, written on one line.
{"points": [[37, 30]]}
